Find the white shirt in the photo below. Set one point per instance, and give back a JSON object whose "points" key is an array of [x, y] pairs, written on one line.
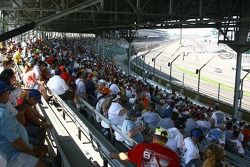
{"points": [[57, 84], [239, 146], [3, 162], [114, 113], [37, 71], [192, 151], [175, 140], [114, 88], [219, 118]]}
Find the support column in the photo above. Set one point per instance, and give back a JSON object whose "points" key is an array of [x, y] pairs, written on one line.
{"points": [[237, 84]]}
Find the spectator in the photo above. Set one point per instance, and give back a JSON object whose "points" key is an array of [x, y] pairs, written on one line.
{"points": [[130, 128], [169, 111], [190, 124], [218, 118], [153, 154], [105, 92], [228, 131], [114, 87], [216, 135], [235, 139], [58, 85], [191, 154], [168, 122], [12, 146], [151, 117], [175, 136], [214, 156], [116, 111], [17, 57]]}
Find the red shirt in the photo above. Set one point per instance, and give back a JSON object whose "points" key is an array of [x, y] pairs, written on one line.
{"points": [[66, 76], [147, 155]]}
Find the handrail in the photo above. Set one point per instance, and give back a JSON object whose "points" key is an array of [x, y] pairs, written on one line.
{"points": [[53, 132], [79, 121]]}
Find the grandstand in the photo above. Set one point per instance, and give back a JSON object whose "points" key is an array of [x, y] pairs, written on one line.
{"points": [[75, 73]]}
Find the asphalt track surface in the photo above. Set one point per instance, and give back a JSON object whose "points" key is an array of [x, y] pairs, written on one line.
{"points": [[216, 73]]}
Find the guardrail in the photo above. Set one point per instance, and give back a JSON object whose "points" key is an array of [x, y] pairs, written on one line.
{"points": [[104, 147]]}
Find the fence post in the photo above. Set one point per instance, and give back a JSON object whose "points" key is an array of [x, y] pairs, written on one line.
{"points": [[218, 93], [183, 79]]}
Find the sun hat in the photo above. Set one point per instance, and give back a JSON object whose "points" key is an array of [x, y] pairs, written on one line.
{"points": [[161, 132]]}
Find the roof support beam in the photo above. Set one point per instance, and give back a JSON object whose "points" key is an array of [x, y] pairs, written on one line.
{"points": [[130, 3], [67, 12]]}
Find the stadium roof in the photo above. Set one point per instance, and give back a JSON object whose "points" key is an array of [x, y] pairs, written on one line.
{"points": [[97, 16]]}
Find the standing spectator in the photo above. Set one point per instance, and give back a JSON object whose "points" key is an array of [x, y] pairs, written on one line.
{"points": [[17, 57], [191, 154], [151, 117], [58, 85], [153, 154], [130, 128], [116, 111]]}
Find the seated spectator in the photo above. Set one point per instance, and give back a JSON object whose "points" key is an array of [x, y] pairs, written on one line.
{"points": [[6, 64], [168, 122], [191, 154], [235, 139], [214, 155], [190, 124], [130, 128], [34, 122], [218, 118], [167, 113], [12, 146], [216, 135], [203, 123], [151, 117], [175, 136], [152, 154], [228, 131], [246, 133]]}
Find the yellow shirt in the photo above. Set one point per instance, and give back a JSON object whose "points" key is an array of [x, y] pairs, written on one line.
{"points": [[17, 58]]}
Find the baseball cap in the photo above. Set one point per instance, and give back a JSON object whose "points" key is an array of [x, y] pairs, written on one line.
{"points": [[4, 87], [35, 93], [197, 133], [161, 132]]}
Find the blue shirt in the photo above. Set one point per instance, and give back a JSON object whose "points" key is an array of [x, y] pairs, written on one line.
{"points": [[9, 132], [129, 125]]}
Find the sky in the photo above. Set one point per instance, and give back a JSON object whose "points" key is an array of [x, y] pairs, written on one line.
{"points": [[190, 31]]}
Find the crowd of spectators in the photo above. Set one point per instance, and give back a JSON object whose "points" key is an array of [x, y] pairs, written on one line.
{"points": [[71, 69]]}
